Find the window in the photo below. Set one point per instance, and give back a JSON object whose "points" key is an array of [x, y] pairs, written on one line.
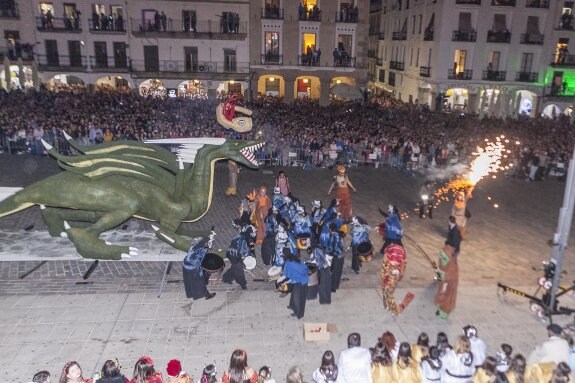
{"points": [[272, 86], [230, 64], [100, 51], [429, 57], [52, 57], [417, 58], [191, 59], [526, 62], [412, 25], [46, 7], [499, 23], [459, 61], [308, 41], [465, 22], [420, 22], [381, 77], [272, 43], [411, 58], [148, 20], [303, 87], [345, 44], [120, 55], [189, 21]]}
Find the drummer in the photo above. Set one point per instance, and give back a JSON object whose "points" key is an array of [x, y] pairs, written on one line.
{"points": [[238, 250], [297, 273], [334, 249], [323, 263], [195, 278], [359, 234], [302, 226], [247, 231]]}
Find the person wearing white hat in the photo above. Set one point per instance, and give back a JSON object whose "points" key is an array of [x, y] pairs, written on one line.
{"points": [[316, 215]]}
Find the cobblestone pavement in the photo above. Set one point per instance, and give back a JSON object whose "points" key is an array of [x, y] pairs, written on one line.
{"points": [[50, 315]]}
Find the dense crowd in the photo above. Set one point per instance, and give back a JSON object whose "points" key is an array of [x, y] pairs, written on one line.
{"points": [[382, 129], [465, 360]]}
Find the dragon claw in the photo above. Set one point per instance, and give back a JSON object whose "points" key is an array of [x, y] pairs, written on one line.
{"points": [[67, 225], [108, 243], [156, 228], [64, 235], [42, 207], [132, 252]]}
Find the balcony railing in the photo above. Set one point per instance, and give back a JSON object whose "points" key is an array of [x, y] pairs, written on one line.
{"points": [[58, 24], [57, 62], [503, 3], [425, 71], [272, 59], [537, 4], [272, 13], [107, 62], [9, 11], [108, 26], [428, 36], [348, 17], [464, 36], [527, 76], [467, 74], [562, 60], [397, 65], [310, 16], [399, 36], [498, 37], [468, 2], [532, 38], [174, 66], [201, 29], [493, 75], [343, 61], [566, 22], [381, 36]]}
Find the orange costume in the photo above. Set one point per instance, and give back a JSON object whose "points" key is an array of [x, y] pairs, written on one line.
{"points": [[343, 184], [446, 295], [263, 205]]}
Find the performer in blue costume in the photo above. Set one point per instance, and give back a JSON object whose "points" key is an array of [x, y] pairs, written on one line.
{"points": [[317, 213], [334, 248], [297, 273], [268, 246], [359, 234], [195, 278], [323, 263], [238, 250], [278, 198], [393, 230]]}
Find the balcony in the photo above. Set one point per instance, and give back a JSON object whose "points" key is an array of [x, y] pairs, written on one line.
{"points": [[503, 3], [532, 38], [493, 75], [381, 36], [59, 63], [343, 61], [464, 36], [468, 2], [399, 36], [188, 66], [105, 63], [560, 59], [188, 29], [58, 24], [425, 71], [466, 74], [272, 59], [397, 65], [428, 36], [111, 26], [499, 37], [537, 4], [346, 17], [9, 10], [527, 76], [310, 16], [272, 13], [565, 23]]}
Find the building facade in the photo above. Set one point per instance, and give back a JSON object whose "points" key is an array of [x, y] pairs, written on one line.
{"points": [[501, 57], [193, 48]]}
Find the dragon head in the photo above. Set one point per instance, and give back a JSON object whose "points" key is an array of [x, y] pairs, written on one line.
{"points": [[242, 151]]}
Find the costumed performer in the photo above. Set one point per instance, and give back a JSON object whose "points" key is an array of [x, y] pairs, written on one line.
{"points": [[302, 228], [278, 198], [460, 211], [317, 213], [334, 249], [269, 243], [195, 278], [248, 205], [233, 171], [359, 234], [343, 184], [453, 236], [392, 271], [391, 230], [323, 263], [262, 207], [282, 183], [238, 250], [446, 295], [427, 195], [297, 273]]}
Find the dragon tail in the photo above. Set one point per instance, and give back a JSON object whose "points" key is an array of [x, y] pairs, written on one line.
{"points": [[9, 202]]}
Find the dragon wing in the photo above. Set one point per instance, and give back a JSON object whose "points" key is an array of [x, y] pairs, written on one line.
{"points": [[187, 148]]}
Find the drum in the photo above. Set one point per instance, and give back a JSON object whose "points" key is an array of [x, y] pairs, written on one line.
{"points": [[214, 265], [283, 286], [274, 272], [250, 263], [303, 241], [365, 251]]}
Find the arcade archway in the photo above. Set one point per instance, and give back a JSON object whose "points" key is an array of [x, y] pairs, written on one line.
{"points": [[525, 103], [153, 88], [456, 98], [193, 89], [231, 87], [17, 80], [65, 82], [307, 87], [551, 111], [112, 82], [271, 85]]}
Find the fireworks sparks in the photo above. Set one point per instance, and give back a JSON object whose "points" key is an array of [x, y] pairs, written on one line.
{"points": [[487, 161]]}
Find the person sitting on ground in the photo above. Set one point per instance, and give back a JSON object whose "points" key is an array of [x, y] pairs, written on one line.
{"points": [[516, 371], [504, 357], [327, 373], [144, 372], [72, 373], [239, 371], [431, 366], [381, 364], [265, 375], [176, 374], [110, 372], [555, 349], [421, 348], [487, 372], [354, 364], [41, 377], [405, 369], [458, 366], [478, 346], [294, 375]]}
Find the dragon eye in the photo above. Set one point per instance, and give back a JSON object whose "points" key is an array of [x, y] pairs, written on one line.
{"points": [[241, 122]]}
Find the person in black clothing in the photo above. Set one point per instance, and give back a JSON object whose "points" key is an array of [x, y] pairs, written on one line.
{"points": [[238, 250], [111, 372], [453, 236]]}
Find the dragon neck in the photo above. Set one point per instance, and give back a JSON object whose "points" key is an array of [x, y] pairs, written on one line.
{"points": [[200, 185]]}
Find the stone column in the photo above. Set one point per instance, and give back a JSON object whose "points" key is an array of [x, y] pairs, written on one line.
{"points": [[212, 94], [289, 89], [472, 103], [324, 92]]}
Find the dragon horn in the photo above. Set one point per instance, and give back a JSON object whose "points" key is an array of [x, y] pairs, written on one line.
{"points": [[47, 145], [66, 136]]}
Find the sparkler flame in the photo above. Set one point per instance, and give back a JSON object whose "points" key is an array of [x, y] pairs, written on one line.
{"points": [[488, 161]]}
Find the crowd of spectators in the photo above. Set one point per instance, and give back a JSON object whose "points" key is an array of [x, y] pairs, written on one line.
{"points": [[465, 360], [381, 130]]}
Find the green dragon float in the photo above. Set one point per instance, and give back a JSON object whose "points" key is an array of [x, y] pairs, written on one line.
{"points": [[108, 184]]}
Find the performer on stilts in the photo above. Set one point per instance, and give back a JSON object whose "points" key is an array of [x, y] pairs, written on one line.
{"points": [[262, 207], [195, 278], [343, 184], [233, 171], [446, 295]]}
